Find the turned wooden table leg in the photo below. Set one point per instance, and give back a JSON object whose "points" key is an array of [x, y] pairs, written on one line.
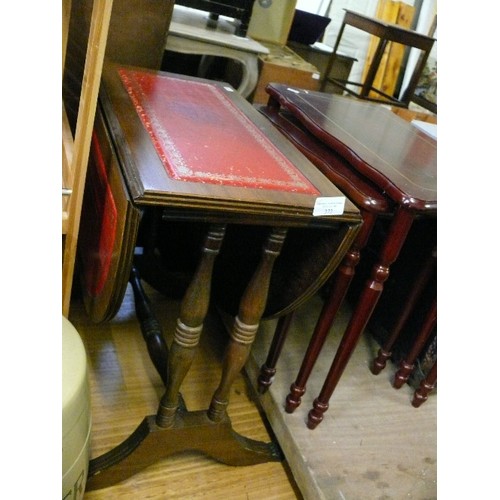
{"points": [[150, 327], [194, 308], [246, 323], [384, 352], [268, 369], [398, 230], [426, 386], [174, 429], [340, 285], [408, 364]]}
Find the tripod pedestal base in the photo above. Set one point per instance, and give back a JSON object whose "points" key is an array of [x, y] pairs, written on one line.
{"points": [[190, 431]]}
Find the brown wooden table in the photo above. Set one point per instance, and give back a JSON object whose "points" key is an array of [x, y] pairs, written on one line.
{"points": [[392, 154], [386, 33], [169, 149]]}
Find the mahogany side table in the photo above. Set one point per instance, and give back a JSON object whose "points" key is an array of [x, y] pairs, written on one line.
{"points": [[392, 154], [194, 151], [371, 203]]}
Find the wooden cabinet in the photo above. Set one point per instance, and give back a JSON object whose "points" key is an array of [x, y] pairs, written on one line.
{"points": [[319, 58], [283, 65]]}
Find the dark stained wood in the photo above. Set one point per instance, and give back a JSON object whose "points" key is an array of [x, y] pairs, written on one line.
{"points": [[136, 36], [246, 323], [371, 204], [339, 286], [137, 32], [190, 431], [150, 327], [268, 369], [189, 326], [426, 386], [408, 364], [367, 301], [384, 352], [392, 154]]}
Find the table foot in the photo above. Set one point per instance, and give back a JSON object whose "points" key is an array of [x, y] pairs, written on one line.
{"points": [[426, 386], [268, 369], [315, 415], [380, 362], [407, 365], [192, 431], [294, 398]]}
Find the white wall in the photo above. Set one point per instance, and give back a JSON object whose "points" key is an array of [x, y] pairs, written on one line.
{"points": [[427, 13], [354, 42]]}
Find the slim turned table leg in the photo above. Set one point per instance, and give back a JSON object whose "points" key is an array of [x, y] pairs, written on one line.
{"points": [[194, 308], [384, 352], [150, 327], [340, 285], [426, 386], [398, 230], [406, 366], [246, 323], [268, 369]]}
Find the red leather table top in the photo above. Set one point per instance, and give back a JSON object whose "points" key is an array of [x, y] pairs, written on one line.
{"points": [[191, 143], [202, 136]]}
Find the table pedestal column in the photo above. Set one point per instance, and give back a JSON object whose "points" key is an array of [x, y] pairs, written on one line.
{"points": [[174, 428]]}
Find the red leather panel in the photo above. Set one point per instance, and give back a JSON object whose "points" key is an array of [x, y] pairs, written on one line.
{"points": [[201, 136], [99, 230]]}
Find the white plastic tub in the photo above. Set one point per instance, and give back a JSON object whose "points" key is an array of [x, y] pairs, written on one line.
{"points": [[76, 416]]}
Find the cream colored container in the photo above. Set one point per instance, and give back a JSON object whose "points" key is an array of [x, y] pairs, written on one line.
{"points": [[76, 420]]}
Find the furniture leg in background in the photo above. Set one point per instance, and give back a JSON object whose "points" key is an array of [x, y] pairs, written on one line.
{"points": [[408, 364], [189, 34], [426, 386], [384, 352], [387, 33]]}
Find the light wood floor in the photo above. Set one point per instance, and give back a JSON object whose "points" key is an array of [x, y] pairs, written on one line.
{"points": [[125, 388], [371, 445]]}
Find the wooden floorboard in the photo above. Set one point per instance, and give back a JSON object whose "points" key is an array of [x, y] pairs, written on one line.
{"points": [[125, 388]]}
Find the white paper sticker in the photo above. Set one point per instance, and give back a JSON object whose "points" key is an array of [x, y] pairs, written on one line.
{"points": [[331, 205]]}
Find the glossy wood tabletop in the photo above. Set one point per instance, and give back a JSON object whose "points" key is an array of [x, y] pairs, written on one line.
{"points": [[276, 181], [394, 154]]}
